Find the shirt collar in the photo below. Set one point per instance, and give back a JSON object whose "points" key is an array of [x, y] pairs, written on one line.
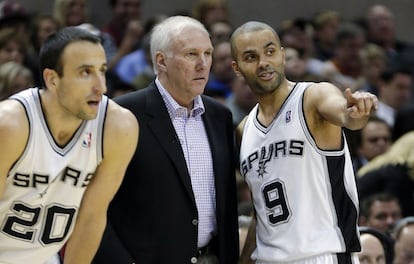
{"points": [[176, 110]]}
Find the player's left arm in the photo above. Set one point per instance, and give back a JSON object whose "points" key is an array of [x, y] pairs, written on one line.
{"points": [[350, 110], [120, 141]]}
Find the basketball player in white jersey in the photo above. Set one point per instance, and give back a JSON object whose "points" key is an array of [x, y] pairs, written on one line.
{"points": [[64, 151], [295, 158]]}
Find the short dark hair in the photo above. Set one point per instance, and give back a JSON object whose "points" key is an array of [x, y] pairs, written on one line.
{"points": [[53, 47], [366, 204], [391, 71], [348, 30]]}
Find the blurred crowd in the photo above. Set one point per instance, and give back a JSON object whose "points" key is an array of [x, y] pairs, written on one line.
{"points": [[363, 54]]}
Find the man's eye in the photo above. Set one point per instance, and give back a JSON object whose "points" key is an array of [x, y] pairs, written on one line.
{"points": [[249, 57]]}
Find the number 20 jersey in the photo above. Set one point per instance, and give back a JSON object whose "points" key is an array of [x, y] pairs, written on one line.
{"points": [[45, 187], [305, 198]]}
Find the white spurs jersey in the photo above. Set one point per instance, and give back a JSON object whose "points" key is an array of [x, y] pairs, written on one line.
{"points": [[305, 198], [44, 188]]}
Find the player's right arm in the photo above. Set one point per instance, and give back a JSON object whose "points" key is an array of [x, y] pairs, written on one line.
{"points": [[14, 131]]}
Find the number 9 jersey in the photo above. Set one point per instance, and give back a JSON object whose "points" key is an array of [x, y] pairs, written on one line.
{"points": [[305, 198], [44, 188]]}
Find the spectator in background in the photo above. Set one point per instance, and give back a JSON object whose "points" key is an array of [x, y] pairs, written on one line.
{"points": [[125, 26], [380, 211], [394, 92], [325, 25], [138, 61], [296, 38], [372, 250], [143, 79], [222, 74], [42, 27], [241, 100], [70, 12], [12, 46], [404, 241], [14, 15], [391, 172], [75, 13], [210, 11], [374, 139], [377, 247], [297, 68], [15, 18], [295, 33], [220, 31], [14, 77], [381, 30], [374, 62], [345, 67]]}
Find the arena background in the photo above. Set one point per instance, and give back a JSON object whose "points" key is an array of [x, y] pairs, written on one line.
{"points": [[270, 11]]}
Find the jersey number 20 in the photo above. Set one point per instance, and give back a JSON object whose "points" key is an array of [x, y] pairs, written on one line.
{"points": [[55, 226]]}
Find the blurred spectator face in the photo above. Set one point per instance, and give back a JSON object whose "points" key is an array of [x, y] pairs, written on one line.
{"points": [[380, 25], [397, 92], [373, 68], [327, 32], [20, 82], [372, 250], [127, 10], [296, 37], [12, 51], [243, 95], [349, 49], [384, 215], [14, 77], [295, 66], [404, 246], [215, 13], [222, 62], [76, 12], [46, 26], [375, 139], [220, 31]]}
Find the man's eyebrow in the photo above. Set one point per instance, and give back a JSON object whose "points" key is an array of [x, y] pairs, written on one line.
{"points": [[269, 44]]}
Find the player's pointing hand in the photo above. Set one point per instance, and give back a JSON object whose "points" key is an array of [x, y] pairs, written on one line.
{"points": [[360, 104]]}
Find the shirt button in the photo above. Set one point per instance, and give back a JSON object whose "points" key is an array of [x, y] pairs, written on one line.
{"points": [[193, 260], [194, 222]]}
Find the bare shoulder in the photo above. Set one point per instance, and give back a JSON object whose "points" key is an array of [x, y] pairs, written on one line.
{"points": [[14, 122], [320, 93], [14, 133], [120, 124], [321, 88], [120, 118]]}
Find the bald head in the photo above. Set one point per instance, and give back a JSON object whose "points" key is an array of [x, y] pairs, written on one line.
{"points": [[248, 27]]}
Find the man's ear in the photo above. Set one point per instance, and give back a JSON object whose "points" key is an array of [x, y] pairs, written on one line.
{"points": [[235, 68], [51, 78], [160, 60]]}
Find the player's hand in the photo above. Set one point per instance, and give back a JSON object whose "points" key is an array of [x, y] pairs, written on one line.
{"points": [[360, 104]]}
